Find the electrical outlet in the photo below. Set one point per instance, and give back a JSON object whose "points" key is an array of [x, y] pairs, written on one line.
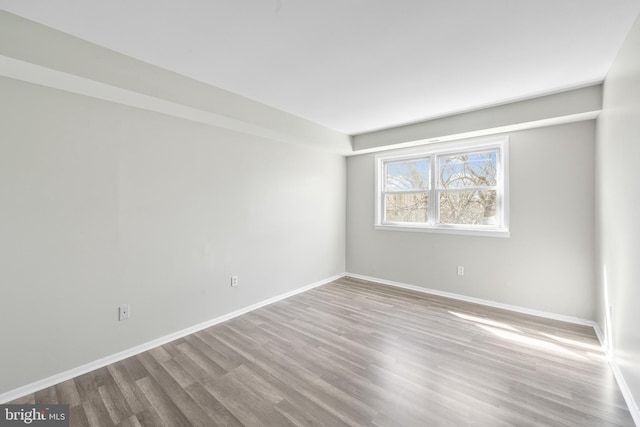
{"points": [[124, 311], [234, 280], [460, 270]]}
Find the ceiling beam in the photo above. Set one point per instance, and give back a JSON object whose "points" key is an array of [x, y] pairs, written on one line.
{"points": [[565, 107]]}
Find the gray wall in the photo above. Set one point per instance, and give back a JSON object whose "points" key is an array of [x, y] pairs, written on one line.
{"points": [[546, 264], [618, 209], [104, 204]]}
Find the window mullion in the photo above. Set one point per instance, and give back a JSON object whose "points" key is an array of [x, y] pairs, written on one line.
{"points": [[433, 206]]}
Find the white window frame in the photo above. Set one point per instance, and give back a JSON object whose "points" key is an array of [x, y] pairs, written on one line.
{"points": [[433, 152]]}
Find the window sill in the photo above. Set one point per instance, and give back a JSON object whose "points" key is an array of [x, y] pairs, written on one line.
{"points": [[446, 230]]}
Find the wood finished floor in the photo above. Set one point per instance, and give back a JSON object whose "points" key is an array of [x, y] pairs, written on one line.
{"points": [[360, 354]]}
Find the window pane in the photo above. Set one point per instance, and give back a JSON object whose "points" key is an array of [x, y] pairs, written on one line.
{"points": [[407, 175], [468, 207], [406, 207], [468, 169]]}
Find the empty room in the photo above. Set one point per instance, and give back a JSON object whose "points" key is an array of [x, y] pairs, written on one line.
{"points": [[329, 213]]}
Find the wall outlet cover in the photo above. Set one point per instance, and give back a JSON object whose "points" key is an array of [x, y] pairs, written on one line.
{"points": [[124, 311]]}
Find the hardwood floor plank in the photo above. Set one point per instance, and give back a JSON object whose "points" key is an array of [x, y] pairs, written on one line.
{"points": [[226, 357], [164, 406], [201, 358], [219, 415], [96, 413], [178, 373], [247, 406], [135, 368], [204, 343], [150, 418], [115, 402], [77, 416], [304, 412], [315, 388], [160, 354], [48, 395], [68, 393], [179, 397], [259, 385], [171, 347], [302, 395], [132, 421], [194, 370], [134, 397]]}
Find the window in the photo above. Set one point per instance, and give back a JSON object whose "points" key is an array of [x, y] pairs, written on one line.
{"points": [[458, 188]]}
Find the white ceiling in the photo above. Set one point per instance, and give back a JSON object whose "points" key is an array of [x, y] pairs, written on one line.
{"points": [[359, 65]]}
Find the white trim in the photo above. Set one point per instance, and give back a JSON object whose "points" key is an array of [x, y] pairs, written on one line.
{"points": [[488, 232], [489, 303], [617, 373], [625, 390], [91, 366], [600, 336]]}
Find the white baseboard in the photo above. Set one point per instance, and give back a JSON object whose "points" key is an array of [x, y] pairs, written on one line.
{"points": [[91, 366], [480, 301], [624, 388], [601, 337], [622, 383], [626, 392]]}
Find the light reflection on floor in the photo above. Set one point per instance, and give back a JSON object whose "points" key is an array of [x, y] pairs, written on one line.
{"points": [[484, 321], [505, 331], [532, 342]]}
